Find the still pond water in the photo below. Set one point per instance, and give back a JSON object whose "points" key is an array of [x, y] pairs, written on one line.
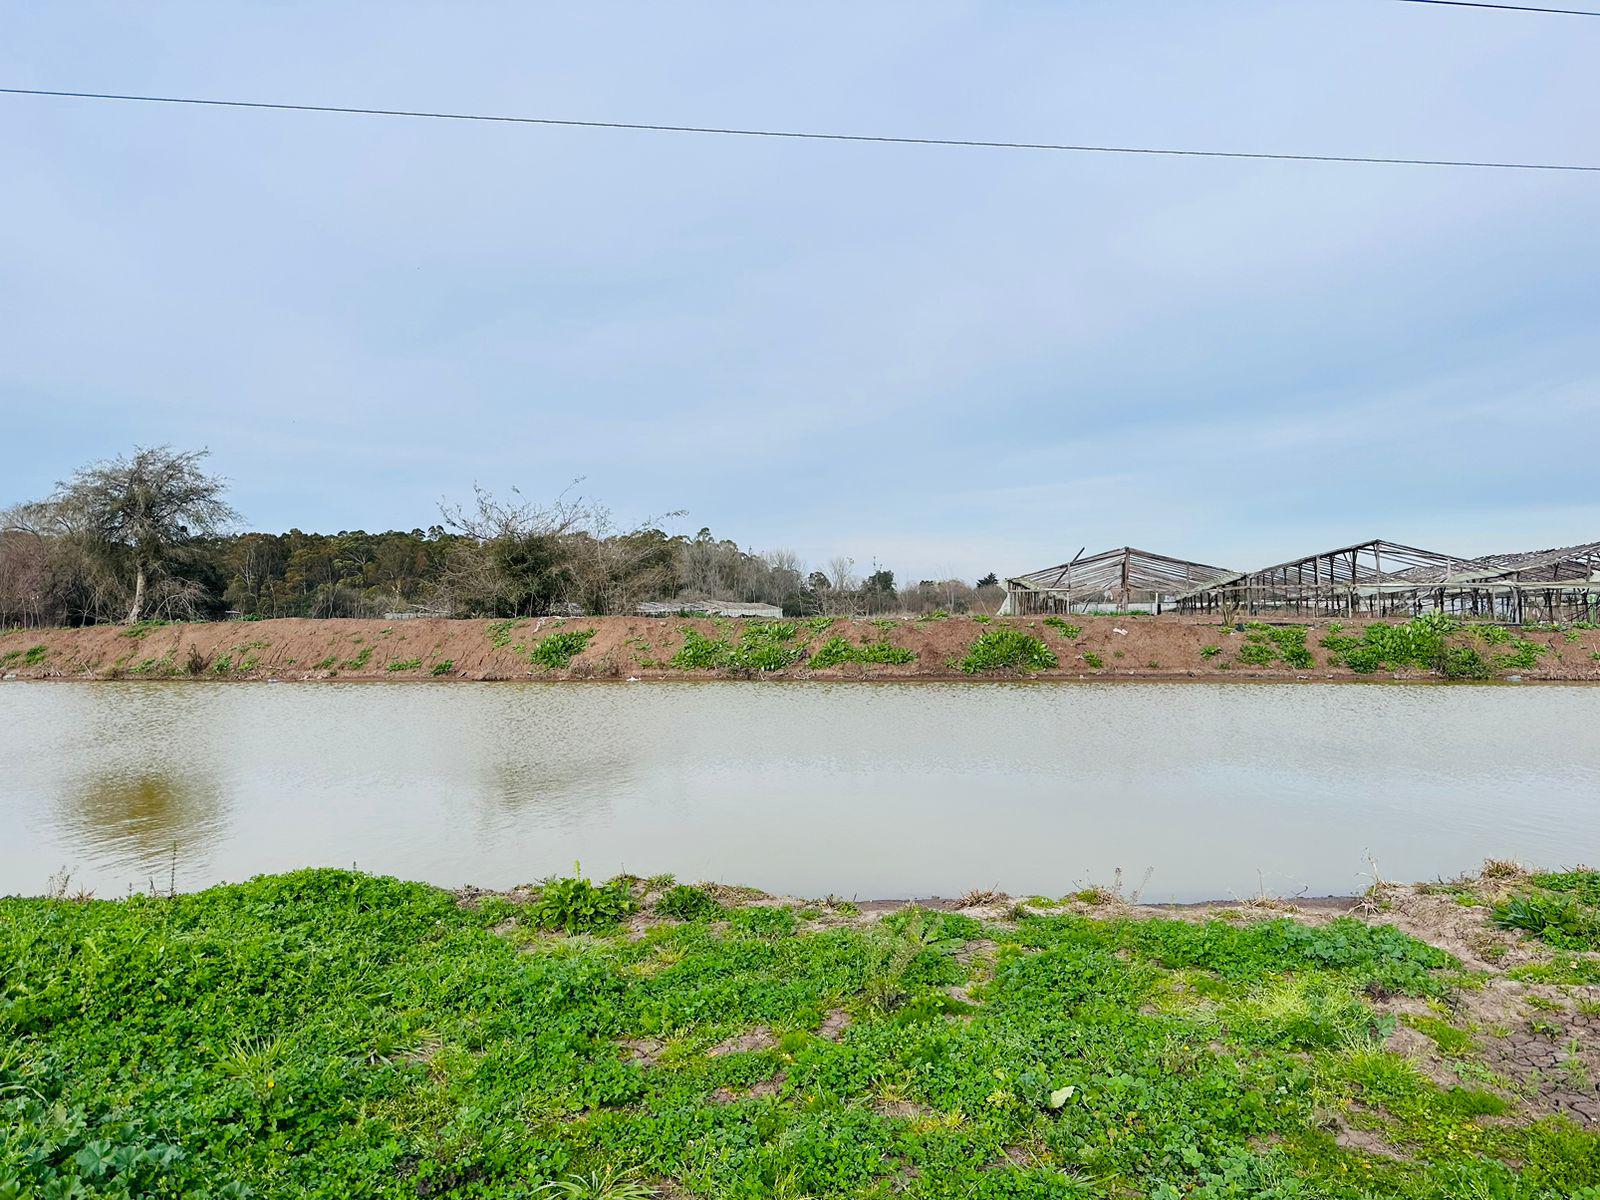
{"points": [[873, 791]]}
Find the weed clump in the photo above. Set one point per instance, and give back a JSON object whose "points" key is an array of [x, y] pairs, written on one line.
{"points": [[1562, 910], [1007, 647], [573, 904], [405, 664], [767, 646], [837, 650], [685, 902], [442, 668], [500, 633], [1068, 630], [557, 650], [359, 661], [1267, 644]]}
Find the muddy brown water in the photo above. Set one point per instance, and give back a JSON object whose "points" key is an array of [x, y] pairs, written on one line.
{"points": [[872, 791]]}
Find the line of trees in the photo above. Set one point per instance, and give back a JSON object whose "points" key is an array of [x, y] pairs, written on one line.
{"points": [[151, 536]]}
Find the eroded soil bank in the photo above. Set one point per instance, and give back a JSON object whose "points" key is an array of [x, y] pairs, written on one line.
{"points": [[617, 648]]}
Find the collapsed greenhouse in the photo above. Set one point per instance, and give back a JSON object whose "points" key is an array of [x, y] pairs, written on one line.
{"points": [[1123, 580], [1375, 578]]}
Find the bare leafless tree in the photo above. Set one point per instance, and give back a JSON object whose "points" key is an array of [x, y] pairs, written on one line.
{"points": [[138, 519]]}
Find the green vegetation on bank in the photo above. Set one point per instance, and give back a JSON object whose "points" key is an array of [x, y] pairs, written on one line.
{"points": [[837, 650], [1067, 630], [1434, 642], [1006, 647], [329, 1034], [557, 650], [1265, 644], [1562, 910], [763, 646]]}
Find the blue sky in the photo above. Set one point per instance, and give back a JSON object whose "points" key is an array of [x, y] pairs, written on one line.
{"points": [[950, 360]]}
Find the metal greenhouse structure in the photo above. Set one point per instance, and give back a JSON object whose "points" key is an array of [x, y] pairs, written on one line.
{"points": [[1123, 580], [1375, 578]]}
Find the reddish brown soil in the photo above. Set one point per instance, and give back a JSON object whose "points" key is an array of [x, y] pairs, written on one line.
{"points": [[643, 647]]}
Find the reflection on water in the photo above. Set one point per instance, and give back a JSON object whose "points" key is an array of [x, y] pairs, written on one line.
{"points": [[814, 788], [149, 819]]}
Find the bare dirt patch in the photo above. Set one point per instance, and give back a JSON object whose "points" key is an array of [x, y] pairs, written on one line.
{"points": [[643, 1052], [764, 1087], [759, 1038], [834, 1024]]}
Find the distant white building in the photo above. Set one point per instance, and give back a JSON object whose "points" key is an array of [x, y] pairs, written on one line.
{"points": [[421, 612], [708, 608]]}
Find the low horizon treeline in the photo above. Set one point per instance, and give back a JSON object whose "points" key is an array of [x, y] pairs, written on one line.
{"points": [[152, 536]]}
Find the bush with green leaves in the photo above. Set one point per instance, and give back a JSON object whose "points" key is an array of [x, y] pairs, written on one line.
{"points": [[1006, 647]]}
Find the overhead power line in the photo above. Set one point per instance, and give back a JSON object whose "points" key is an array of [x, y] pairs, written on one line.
{"points": [[876, 139], [1528, 8]]}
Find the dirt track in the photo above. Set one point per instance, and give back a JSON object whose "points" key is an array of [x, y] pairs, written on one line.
{"points": [[643, 648]]}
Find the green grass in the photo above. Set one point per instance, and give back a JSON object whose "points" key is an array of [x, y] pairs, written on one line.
{"points": [[405, 664], [442, 668], [557, 650], [838, 650], [1067, 630], [329, 1034], [1006, 648]]}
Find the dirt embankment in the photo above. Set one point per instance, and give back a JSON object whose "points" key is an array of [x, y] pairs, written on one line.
{"points": [[616, 648]]}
